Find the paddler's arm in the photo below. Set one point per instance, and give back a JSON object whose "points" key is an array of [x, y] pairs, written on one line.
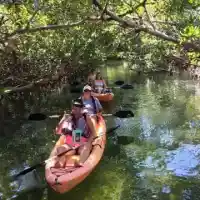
{"points": [[58, 143], [104, 84], [63, 118], [93, 85], [99, 107]]}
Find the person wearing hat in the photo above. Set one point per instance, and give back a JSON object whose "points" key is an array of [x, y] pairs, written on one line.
{"points": [[67, 126], [92, 108]]}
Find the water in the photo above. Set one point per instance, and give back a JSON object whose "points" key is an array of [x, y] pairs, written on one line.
{"points": [[160, 162]]}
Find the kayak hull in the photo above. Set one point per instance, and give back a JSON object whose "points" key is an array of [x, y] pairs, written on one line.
{"points": [[60, 180], [104, 97]]}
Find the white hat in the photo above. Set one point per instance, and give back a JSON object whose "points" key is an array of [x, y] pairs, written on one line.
{"points": [[87, 87]]}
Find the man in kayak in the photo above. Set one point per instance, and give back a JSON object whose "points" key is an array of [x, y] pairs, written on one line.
{"points": [[92, 107], [69, 127]]}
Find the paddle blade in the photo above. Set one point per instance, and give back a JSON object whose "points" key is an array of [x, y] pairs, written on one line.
{"points": [[37, 117], [119, 82], [29, 182], [126, 86], [124, 139], [124, 114], [110, 130], [25, 171], [76, 90]]}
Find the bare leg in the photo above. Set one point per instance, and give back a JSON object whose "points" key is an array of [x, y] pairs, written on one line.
{"points": [[84, 153], [91, 121], [60, 161], [72, 161]]}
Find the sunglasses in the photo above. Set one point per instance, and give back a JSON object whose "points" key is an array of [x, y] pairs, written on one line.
{"points": [[87, 91], [77, 106]]}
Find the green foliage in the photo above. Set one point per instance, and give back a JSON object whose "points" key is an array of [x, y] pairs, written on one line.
{"points": [[23, 37]]}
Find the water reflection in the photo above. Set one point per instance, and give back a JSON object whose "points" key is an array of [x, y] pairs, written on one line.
{"points": [[184, 161]]}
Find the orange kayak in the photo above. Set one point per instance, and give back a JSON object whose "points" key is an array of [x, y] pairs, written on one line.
{"points": [[104, 97], [62, 179]]}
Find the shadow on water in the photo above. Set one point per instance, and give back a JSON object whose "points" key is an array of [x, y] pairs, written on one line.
{"points": [[33, 195]]}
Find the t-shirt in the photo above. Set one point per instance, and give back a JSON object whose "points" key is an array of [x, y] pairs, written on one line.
{"points": [[89, 105]]}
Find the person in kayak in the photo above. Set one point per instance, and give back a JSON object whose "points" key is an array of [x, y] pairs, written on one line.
{"points": [[99, 84], [91, 78], [76, 122], [92, 108]]}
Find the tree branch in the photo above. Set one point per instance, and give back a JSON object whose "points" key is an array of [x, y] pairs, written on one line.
{"points": [[147, 29], [167, 23], [32, 17], [147, 14], [158, 34], [41, 82], [45, 28], [105, 7]]}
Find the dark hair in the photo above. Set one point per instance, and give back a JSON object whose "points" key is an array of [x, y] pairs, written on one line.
{"points": [[92, 70], [98, 73]]}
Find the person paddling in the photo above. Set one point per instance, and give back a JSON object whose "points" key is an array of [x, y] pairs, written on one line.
{"points": [[75, 134]]}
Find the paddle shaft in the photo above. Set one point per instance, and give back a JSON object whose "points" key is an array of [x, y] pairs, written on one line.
{"points": [[59, 155], [119, 113], [57, 116], [41, 164]]}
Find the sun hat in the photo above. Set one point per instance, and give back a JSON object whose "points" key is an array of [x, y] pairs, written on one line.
{"points": [[87, 87]]}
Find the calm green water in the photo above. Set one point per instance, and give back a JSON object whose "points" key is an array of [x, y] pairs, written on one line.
{"points": [[161, 161]]}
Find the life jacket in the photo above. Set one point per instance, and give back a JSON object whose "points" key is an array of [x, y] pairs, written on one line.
{"points": [[85, 134]]}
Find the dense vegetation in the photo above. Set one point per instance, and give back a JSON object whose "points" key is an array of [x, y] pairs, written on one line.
{"points": [[37, 36]]}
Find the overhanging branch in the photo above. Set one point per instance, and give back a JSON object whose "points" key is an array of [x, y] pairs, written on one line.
{"points": [[145, 29], [44, 28], [158, 34]]}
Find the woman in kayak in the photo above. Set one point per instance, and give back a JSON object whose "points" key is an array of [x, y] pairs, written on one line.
{"points": [[72, 125], [99, 84]]}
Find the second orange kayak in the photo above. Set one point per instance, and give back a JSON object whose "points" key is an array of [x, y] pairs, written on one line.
{"points": [[104, 97]]}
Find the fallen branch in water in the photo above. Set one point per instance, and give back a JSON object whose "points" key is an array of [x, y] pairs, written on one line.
{"points": [[33, 84]]}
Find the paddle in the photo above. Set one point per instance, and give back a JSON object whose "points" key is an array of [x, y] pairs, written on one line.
{"points": [[124, 87], [119, 114], [78, 89], [25, 171], [119, 82]]}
